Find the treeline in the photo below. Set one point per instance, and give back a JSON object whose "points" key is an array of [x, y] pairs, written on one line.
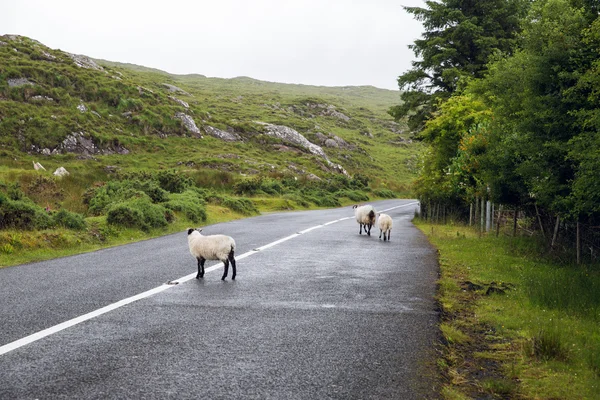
{"points": [[507, 95]]}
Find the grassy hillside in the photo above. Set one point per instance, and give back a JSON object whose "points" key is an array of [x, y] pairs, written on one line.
{"points": [[281, 146]]}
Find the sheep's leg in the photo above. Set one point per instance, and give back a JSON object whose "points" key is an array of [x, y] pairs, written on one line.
{"points": [[369, 232], [226, 262], [232, 260], [200, 268], [384, 236], [380, 231], [389, 235], [360, 229]]}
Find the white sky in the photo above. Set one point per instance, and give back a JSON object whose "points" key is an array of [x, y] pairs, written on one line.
{"points": [[313, 42]]}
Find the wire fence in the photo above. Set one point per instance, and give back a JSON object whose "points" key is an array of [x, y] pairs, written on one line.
{"points": [[567, 240]]}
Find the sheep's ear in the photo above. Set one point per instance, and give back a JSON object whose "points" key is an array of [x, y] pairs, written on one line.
{"points": [[355, 206], [199, 229], [190, 230]]}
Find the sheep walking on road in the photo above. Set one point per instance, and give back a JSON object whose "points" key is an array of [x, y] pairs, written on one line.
{"points": [[385, 226], [212, 247], [365, 216]]}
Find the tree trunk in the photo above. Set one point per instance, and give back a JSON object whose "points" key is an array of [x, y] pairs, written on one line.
{"points": [[488, 219], [481, 226], [555, 231], [539, 220]]}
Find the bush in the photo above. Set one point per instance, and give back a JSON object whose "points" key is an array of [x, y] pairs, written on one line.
{"points": [[241, 205], [190, 203], [138, 213], [69, 220], [22, 214], [248, 186], [173, 181], [385, 193], [353, 195]]}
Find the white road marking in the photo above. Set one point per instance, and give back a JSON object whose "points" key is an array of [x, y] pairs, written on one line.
{"points": [[85, 317]]}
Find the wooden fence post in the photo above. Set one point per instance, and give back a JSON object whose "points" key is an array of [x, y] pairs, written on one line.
{"points": [[498, 220]]}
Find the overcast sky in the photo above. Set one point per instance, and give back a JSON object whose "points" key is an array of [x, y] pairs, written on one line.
{"points": [[314, 42]]}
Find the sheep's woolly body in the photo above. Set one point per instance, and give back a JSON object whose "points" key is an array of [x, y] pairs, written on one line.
{"points": [[365, 215], [385, 226], [212, 247]]}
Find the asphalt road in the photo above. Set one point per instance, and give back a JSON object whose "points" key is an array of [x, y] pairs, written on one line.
{"points": [[327, 313]]}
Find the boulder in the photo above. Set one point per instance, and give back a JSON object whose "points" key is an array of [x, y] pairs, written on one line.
{"points": [[61, 171], [37, 166], [189, 124], [223, 135]]}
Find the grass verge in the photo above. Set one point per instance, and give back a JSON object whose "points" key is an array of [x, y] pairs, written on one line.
{"points": [[515, 324]]}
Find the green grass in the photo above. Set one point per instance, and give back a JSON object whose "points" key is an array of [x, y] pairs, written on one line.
{"points": [[538, 340]]}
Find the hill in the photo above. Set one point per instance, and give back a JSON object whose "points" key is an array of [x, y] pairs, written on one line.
{"points": [[128, 132]]}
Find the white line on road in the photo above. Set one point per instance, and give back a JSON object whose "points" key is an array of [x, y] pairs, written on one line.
{"points": [[85, 317]]}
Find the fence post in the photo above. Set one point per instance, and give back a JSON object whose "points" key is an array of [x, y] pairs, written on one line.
{"points": [[488, 219], [498, 220], [470, 214], [482, 214], [515, 221]]}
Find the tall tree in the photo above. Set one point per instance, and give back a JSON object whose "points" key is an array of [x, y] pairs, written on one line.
{"points": [[459, 38]]}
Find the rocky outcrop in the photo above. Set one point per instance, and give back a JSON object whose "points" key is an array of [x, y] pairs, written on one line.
{"points": [[18, 82], [175, 89], [84, 62], [223, 135], [189, 124], [290, 136], [61, 171], [180, 102], [328, 110], [334, 141], [40, 99], [82, 144]]}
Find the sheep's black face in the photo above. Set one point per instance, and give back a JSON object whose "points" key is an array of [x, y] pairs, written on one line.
{"points": [[190, 230]]}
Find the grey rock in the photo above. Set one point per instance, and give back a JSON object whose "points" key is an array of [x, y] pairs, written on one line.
{"points": [[290, 136], [82, 108], [188, 123], [84, 62], [223, 135], [61, 171], [40, 99], [175, 89], [17, 82], [331, 143], [48, 56], [180, 102]]}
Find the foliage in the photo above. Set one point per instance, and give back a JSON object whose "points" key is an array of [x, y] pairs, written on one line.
{"points": [[460, 38], [69, 220], [137, 213], [22, 214], [190, 203]]}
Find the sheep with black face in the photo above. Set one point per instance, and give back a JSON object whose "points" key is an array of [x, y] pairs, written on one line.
{"points": [[212, 247]]}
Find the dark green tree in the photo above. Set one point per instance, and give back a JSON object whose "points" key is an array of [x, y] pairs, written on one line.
{"points": [[459, 39]]}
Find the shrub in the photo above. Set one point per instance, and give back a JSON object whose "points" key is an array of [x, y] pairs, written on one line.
{"points": [[138, 213], [69, 220], [385, 193], [248, 186], [22, 214], [190, 203], [174, 182], [242, 205], [353, 195]]}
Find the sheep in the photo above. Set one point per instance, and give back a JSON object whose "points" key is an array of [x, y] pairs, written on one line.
{"points": [[365, 215], [212, 247], [385, 225]]}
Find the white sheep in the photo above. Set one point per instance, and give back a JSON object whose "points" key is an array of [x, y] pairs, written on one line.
{"points": [[365, 215], [212, 247], [385, 226]]}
